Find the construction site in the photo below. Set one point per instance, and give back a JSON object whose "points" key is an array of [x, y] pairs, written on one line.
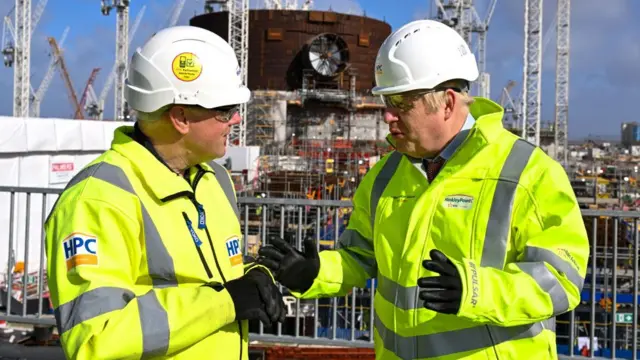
{"points": [[311, 132], [315, 125]]}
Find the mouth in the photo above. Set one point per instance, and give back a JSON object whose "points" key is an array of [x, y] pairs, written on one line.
{"points": [[396, 133]]}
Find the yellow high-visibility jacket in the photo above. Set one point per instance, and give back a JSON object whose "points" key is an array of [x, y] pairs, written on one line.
{"points": [[504, 213], [129, 246]]}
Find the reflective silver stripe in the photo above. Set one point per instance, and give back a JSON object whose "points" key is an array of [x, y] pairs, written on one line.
{"points": [[380, 183], [534, 265], [90, 304], [403, 297], [548, 283], [367, 263], [153, 318], [495, 239], [532, 253], [227, 186], [352, 238], [451, 342], [159, 262], [154, 322]]}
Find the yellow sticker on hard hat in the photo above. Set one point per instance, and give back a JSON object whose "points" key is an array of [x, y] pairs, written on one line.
{"points": [[187, 67]]}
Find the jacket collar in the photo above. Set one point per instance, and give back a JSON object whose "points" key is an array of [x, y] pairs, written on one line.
{"points": [[152, 170], [488, 124]]}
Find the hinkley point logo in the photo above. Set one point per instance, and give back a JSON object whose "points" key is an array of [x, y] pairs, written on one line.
{"points": [[458, 202]]}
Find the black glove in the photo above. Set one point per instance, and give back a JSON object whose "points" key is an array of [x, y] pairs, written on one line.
{"points": [[292, 268], [441, 293], [256, 296]]}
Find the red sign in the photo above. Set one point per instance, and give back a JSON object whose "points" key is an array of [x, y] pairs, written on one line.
{"points": [[62, 166]]}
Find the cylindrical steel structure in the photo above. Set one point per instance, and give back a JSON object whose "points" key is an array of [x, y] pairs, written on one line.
{"points": [[285, 46]]}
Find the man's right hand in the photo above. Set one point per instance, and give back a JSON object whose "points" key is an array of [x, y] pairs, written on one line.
{"points": [[256, 296], [291, 268]]}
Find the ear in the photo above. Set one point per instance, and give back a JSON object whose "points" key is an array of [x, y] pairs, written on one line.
{"points": [[450, 104], [177, 115]]}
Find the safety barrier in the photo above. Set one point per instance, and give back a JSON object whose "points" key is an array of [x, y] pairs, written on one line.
{"points": [[608, 313]]}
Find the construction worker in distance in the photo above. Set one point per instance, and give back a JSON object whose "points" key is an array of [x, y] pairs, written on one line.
{"points": [[474, 235], [144, 246]]}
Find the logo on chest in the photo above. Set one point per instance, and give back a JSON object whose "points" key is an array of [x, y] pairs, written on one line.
{"points": [[458, 202], [233, 251]]}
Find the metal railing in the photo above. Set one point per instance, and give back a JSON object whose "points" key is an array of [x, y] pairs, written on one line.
{"points": [[343, 321]]}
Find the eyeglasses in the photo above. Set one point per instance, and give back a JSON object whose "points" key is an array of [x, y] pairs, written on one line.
{"points": [[227, 112], [406, 101]]}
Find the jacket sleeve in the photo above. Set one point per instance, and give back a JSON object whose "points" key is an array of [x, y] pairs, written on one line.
{"points": [[552, 251], [353, 261], [93, 257]]}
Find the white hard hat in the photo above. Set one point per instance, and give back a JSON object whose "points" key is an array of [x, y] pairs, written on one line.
{"points": [[421, 55], [184, 65]]}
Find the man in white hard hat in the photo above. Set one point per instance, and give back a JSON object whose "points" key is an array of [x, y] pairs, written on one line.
{"points": [[474, 235], [144, 246]]}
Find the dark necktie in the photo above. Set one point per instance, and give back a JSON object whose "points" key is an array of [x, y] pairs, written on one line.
{"points": [[432, 167]]}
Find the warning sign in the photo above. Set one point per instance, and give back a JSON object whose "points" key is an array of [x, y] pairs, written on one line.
{"points": [[187, 67], [61, 169]]}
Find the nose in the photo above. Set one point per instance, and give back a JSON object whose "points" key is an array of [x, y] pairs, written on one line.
{"points": [[390, 116], [235, 119]]}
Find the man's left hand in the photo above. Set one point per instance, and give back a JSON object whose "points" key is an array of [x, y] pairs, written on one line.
{"points": [[441, 293]]}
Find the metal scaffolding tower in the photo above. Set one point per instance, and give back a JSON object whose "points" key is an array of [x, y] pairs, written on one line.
{"points": [[122, 53], [239, 40], [22, 48], [562, 80], [23, 16], [532, 70]]}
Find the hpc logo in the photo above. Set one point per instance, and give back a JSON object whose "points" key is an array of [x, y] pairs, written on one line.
{"points": [[80, 249], [233, 251]]}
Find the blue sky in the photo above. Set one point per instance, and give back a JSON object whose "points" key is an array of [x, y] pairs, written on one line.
{"points": [[605, 52]]}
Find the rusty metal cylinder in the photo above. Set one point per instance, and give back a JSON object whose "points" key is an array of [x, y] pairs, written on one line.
{"points": [[287, 46]]}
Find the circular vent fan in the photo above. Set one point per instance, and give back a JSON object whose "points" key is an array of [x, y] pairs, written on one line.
{"points": [[328, 54]]}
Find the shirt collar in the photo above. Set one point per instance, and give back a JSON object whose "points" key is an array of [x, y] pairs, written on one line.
{"points": [[454, 144]]}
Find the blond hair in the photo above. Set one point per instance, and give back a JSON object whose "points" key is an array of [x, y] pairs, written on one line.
{"points": [[435, 100]]}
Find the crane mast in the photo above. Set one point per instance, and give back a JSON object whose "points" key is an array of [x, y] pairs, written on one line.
{"points": [[461, 15], [65, 77], [562, 80], [532, 70], [48, 77], [238, 38], [22, 58], [122, 53]]}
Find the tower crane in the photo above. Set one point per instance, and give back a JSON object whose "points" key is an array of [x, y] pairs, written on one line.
{"points": [[511, 108], [65, 75], [18, 52], [562, 81], [95, 104], [48, 77], [462, 16], [85, 93], [175, 13], [22, 56], [518, 100], [122, 52], [532, 73], [238, 38]]}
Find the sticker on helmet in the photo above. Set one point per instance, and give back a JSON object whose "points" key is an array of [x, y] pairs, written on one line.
{"points": [[187, 67]]}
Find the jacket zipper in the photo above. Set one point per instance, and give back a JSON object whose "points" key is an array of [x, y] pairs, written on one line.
{"points": [[202, 224]]}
